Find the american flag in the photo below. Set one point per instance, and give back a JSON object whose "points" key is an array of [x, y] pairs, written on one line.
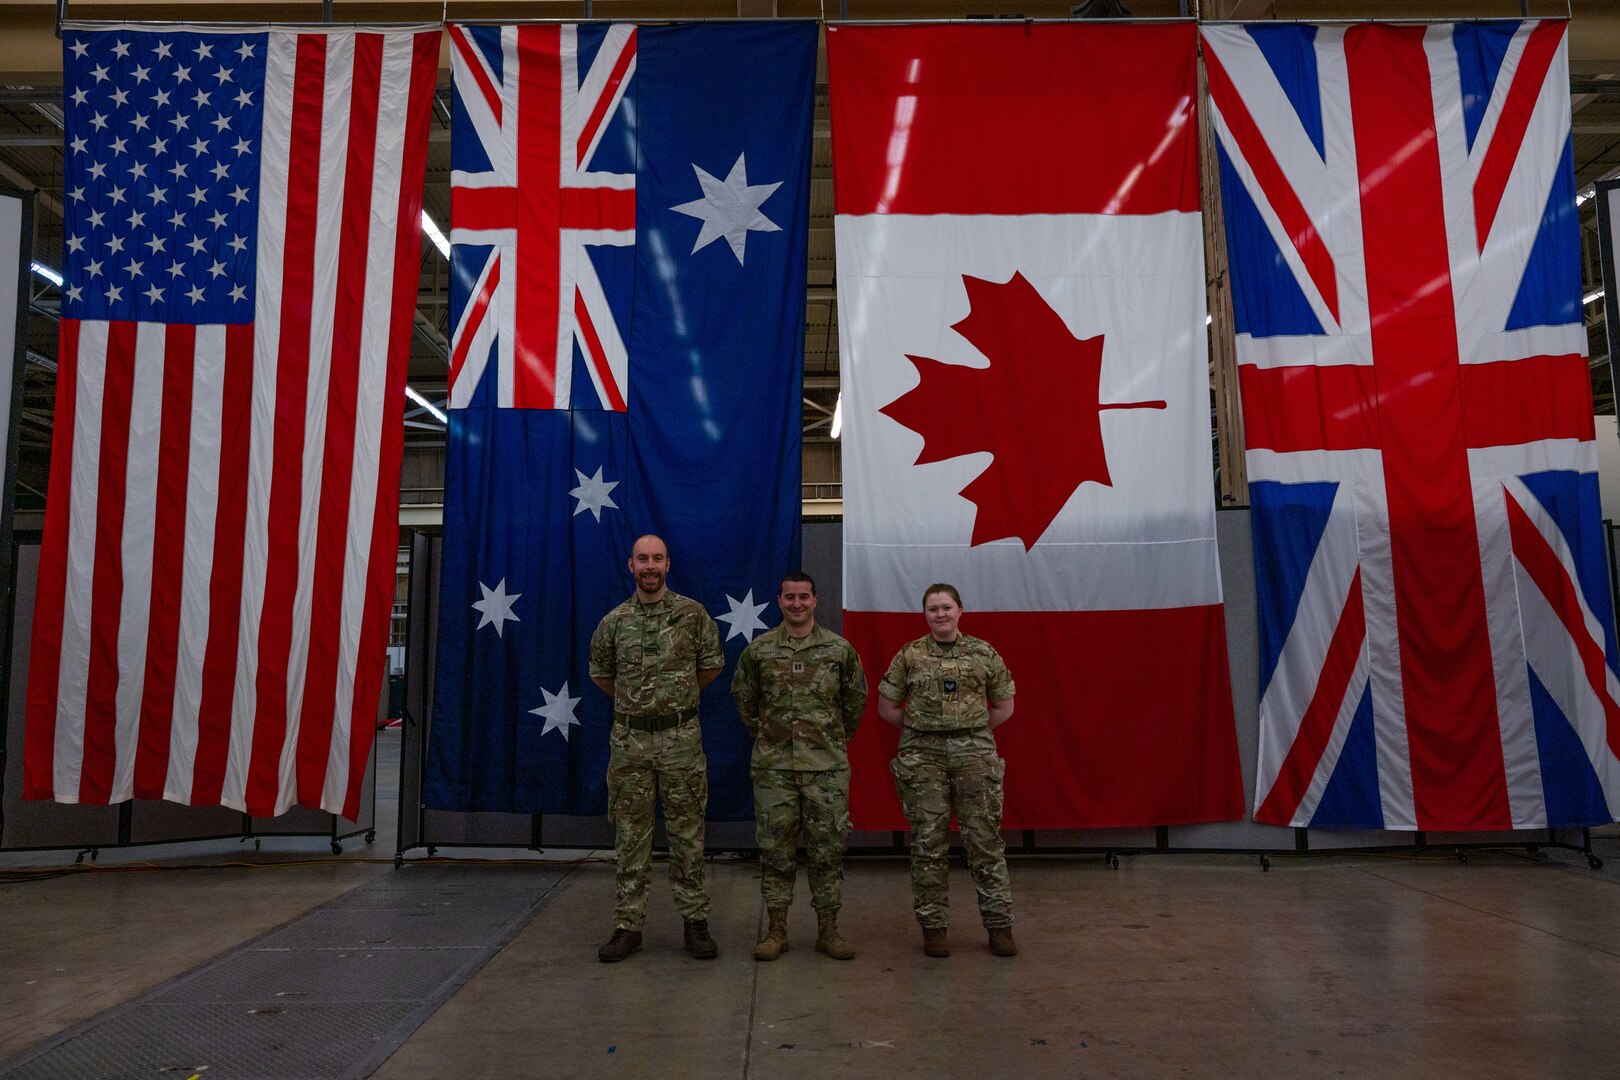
{"points": [[538, 108], [217, 572], [1437, 641]]}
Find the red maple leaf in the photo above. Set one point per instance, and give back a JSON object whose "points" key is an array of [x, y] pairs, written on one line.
{"points": [[1036, 409]]}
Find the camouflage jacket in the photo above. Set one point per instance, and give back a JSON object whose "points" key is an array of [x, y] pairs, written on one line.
{"points": [[945, 690], [653, 653], [801, 699]]}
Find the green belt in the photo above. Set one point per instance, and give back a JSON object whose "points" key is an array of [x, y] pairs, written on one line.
{"points": [[946, 731], [655, 723]]}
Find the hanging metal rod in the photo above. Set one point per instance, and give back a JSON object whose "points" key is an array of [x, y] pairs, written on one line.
{"points": [[665, 21], [242, 27], [1020, 21]]}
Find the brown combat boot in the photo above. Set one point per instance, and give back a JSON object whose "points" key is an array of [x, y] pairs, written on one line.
{"points": [[620, 945], [827, 939], [698, 941], [935, 941], [775, 941], [1001, 941]]}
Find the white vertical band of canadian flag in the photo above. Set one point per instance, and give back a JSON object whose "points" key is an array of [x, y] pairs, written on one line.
{"points": [[218, 563]]}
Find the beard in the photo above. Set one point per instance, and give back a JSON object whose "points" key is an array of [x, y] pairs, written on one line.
{"points": [[650, 581]]}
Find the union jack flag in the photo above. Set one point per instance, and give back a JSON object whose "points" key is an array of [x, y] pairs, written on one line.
{"points": [[1437, 640], [529, 199]]}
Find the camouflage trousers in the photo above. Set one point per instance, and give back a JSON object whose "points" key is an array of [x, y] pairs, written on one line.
{"points": [[933, 774], [643, 765], [814, 804]]}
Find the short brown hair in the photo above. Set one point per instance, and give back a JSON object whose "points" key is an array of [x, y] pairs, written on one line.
{"points": [[940, 586], [797, 576]]}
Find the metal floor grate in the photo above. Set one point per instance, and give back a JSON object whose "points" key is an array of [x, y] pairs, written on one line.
{"points": [[330, 994]]}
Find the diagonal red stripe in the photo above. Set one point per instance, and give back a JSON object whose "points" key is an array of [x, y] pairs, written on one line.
{"points": [[1511, 126], [1273, 182], [599, 110], [1545, 569], [1316, 726], [597, 355], [480, 72], [477, 310]]}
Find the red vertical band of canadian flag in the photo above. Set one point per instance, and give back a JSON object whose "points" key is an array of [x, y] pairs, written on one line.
{"points": [[217, 569], [1020, 278]]}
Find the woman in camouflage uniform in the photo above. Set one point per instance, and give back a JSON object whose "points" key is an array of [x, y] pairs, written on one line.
{"points": [[946, 691]]}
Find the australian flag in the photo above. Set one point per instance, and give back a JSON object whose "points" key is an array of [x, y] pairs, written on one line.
{"points": [[628, 222]]}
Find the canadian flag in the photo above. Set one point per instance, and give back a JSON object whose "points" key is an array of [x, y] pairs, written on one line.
{"points": [[1026, 402]]}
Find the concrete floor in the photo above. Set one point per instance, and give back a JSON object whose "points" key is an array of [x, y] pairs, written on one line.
{"points": [[1411, 966]]}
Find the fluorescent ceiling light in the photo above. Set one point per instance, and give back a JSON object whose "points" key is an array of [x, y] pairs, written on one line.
{"points": [[47, 273], [435, 235], [410, 392], [838, 416], [1595, 294]]}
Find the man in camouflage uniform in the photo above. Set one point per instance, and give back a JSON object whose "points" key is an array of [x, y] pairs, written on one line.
{"points": [[800, 689], [946, 691], [653, 654]]}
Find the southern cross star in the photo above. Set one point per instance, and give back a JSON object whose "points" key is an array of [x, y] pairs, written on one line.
{"points": [[743, 618], [593, 493], [558, 711], [729, 208], [495, 607]]}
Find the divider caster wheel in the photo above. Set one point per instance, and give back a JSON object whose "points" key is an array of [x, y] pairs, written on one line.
{"points": [[1594, 862], [1113, 861], [337, 848], [257, 843], [1462, 856], [371, 836], [1265, 863], [399, 860]]}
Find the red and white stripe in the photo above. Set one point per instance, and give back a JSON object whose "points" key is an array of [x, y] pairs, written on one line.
{"points": [[217, 573]]}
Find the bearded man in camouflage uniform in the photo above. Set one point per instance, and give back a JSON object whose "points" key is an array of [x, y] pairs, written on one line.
{"points": [[653, 654], [947, 691], [800, 689]]}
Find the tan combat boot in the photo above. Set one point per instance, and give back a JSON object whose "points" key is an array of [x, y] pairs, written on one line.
{"points": [[775, 941], [935, 941], [1001, 941], [827, 939]]}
